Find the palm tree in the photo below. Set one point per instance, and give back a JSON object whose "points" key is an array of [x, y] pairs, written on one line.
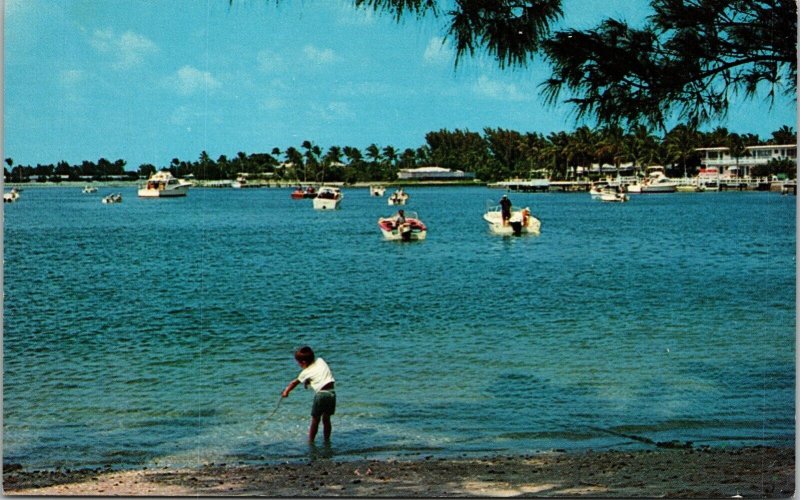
{"points": [[681, 142], [581, 147], [737, 149], [294, 159], [639, 145], [556, 145], [611, 145], [784, 135]]}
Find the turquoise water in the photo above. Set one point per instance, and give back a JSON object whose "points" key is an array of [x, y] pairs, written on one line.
{"points": [[161, 332]]}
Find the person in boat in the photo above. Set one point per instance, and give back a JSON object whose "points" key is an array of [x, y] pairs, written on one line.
{"points": [[399, 218], [505, 209], [317, 374]]}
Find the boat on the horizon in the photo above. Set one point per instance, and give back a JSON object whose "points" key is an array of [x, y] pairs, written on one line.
{"points": [[300, 193], [399, 197], [11, 196], [89, 189], [521, 222], [658, 182], [162, 184], [112, 198], [377, 190], [328, 198], [413, 229]]}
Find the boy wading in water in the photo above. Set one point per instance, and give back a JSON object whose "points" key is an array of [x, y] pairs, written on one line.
{"points": [[317, 374]]}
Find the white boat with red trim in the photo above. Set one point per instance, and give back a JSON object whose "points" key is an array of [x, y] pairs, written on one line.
{"points": [[413, 229]]}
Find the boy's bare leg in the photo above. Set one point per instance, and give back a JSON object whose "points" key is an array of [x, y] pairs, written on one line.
{"points": [[312, 430], [326, 426]]}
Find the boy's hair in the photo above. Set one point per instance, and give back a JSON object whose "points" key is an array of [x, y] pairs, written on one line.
{"points": [[304, 354]]}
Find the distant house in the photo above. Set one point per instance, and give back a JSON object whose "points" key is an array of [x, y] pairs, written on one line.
{"points": [[720, 160], [433, 173]]}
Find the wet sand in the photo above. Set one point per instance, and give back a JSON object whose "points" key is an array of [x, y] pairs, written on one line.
{"points": [[702, 473]]}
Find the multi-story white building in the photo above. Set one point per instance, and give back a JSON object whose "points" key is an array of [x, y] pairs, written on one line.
{"points": [[433, 173], [719, 159]]}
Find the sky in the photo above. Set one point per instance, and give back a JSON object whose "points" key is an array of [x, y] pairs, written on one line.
{"points": [[147, 81]]}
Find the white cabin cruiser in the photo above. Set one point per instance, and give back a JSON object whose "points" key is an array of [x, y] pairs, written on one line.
{"points": [[163, 185], [520, 222], [658, 182], [328, 198]]}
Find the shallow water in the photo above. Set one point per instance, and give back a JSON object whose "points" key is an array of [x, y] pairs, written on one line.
{"points": [[161, 332]]}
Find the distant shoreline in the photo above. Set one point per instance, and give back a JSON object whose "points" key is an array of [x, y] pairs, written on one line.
{"points": [[271, 185], [766, 472]]}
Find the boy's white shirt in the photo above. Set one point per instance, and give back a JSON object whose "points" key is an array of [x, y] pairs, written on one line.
{"points": [[317, 373]]}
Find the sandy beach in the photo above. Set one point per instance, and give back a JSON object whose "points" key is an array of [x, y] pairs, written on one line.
{"points": [[702, 473]]}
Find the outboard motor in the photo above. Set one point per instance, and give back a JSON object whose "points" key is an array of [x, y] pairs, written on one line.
{"points": [[405, 232], [516, 226]]}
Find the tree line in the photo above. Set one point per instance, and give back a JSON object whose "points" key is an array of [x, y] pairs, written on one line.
{"points": [[493, 155]]}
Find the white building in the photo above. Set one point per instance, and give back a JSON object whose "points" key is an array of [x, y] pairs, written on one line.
{"points": [[433, 173], [719, 159]]}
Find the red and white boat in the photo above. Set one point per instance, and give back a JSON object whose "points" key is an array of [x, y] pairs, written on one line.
{"points": [[412, 230], [299, 193]]}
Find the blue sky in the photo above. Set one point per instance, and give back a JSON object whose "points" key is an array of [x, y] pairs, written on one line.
{"points": [[152, 80]]}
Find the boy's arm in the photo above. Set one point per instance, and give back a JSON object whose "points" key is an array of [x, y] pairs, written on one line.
{"points": [[289, 387]]}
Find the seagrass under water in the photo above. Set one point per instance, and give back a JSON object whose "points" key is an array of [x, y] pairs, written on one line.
{"points": [[161, 332]]}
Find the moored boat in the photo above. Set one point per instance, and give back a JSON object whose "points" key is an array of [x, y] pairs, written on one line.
{"points": [[328, 198], [11, 196], [658, 182], [521, 222], [162, 184], [377, 190], [300, 192], [112, 198], [413, 229], [613, 196], [399, 197], [89, 189]]}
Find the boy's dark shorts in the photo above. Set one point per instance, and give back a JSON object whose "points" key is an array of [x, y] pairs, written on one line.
{"points": [[324, 403]]}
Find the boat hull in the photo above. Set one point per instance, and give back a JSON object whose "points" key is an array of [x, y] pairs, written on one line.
{"points": [[417, 231], [326, 204], [613, 197], [670, 188], [164, 193], [518, 223]]}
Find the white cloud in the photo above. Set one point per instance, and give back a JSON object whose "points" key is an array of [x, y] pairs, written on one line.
{"points": [[319, 56], [270, 62], [494, 89], [71, 77], [189, 80], [128, 49], [438, 52], [333, 111]]}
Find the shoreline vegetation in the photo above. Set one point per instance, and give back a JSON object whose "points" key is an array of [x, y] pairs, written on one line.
{"points": [[705, 472]]}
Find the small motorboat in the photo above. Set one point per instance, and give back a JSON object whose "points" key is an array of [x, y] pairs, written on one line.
{"points": [[412, 229], [399, 197], [112, 198], [163, 185], [299, 193], [89, 189], [11, 196], [328, 198], [377, 190], [521, 222], [613, 196]]}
